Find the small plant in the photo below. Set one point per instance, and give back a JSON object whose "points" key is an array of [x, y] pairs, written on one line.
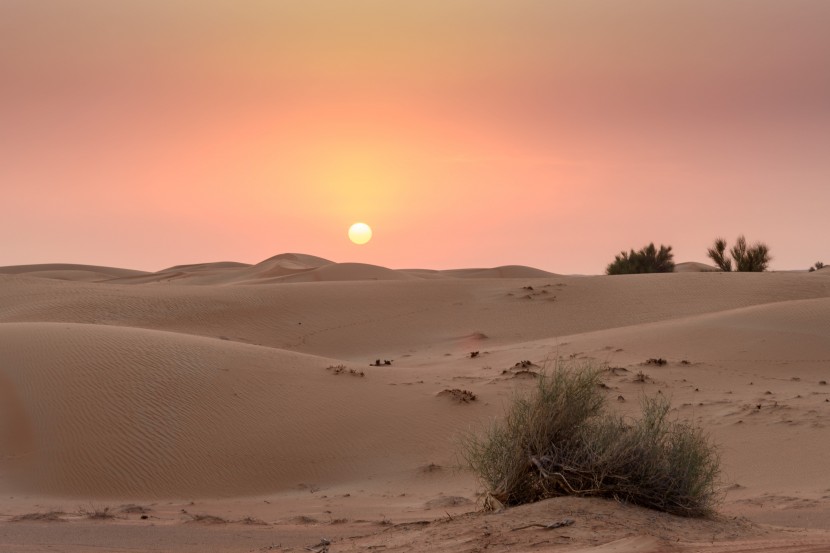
{"points": [[385, 521], [461, 396], [207, 519], [253, 521], [49, 516], [659, 361], [133, 509], [817, 266], [753, 259], [341, 369], [96, 513], [647, 260], [524, 373], [561, 440], [473, 354]]}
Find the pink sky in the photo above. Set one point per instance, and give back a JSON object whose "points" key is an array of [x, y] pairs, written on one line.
{"points": [[145, 133]]}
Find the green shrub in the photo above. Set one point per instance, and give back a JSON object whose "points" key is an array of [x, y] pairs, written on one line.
{"points": [[817, 266], [753, 258], [560, 440], [646, 260]]}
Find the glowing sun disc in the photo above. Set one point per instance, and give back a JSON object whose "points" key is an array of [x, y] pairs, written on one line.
{"points": [[360, 233]]}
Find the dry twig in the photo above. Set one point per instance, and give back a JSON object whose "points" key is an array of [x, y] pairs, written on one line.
{"points": [[551, 526]]}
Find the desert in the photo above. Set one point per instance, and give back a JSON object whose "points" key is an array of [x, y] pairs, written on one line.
{"points": [[236, 407], [414, 276]]}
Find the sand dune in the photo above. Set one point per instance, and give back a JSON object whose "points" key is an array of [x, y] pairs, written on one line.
{"points": [[345, 272], [212, 382], [505, 271], [212, 266], [695, 267], [299, 258], [290, 268], [352, 320], [70, 271], [284, 268], [140, 413]]}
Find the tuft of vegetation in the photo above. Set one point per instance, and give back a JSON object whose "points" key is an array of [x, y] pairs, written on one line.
{"points": [[206, 519], [96, 512], [49, 516], [253, 521], [133, 509], [647, 260], [817, 266], [461, 396], [561, 440], [746, 258], [341, 369]]}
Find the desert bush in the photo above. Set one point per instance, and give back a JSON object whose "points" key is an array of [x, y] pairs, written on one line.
{"points": [[206, 519], [754, 258], [49, 516], [96, 512], [561, 440], [817, 266], [461, 396], [647, 260]]}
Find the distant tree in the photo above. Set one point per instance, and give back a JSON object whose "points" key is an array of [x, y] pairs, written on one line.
{"points": [[647, 260], [754, 258], [817, 266]]}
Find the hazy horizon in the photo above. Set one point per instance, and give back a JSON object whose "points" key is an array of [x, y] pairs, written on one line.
{"points": [[554, 134]]}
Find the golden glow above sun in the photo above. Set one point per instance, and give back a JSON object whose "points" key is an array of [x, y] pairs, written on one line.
{"points": [[360, 233]]}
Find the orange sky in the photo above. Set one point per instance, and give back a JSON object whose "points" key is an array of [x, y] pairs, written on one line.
{"points": [[148, 133]]}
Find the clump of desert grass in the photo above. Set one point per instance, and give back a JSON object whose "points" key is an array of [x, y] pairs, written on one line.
{"points": [[206, 519], [253, 521], [48, 516], [96, 512], [461, 396], [560, 439]]}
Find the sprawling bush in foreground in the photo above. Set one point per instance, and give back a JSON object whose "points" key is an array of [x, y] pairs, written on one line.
{"points": [[560, 440], [646, 260]]}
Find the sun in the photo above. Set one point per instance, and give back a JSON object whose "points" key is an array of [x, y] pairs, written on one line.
{"points": [[360, 233]]}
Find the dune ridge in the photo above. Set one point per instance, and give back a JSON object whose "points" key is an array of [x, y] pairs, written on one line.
{"points": [[71, 271]]}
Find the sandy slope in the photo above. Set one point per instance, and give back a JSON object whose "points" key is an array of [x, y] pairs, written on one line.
{"points": [[210, 383], [68, 271], [112, 411], [695, 267]]}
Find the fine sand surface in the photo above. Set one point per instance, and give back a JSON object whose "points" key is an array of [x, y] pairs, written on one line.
{"points": [[239, 408]]}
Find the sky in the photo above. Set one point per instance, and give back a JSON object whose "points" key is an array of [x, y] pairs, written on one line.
{"points": [[466, 133]]}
